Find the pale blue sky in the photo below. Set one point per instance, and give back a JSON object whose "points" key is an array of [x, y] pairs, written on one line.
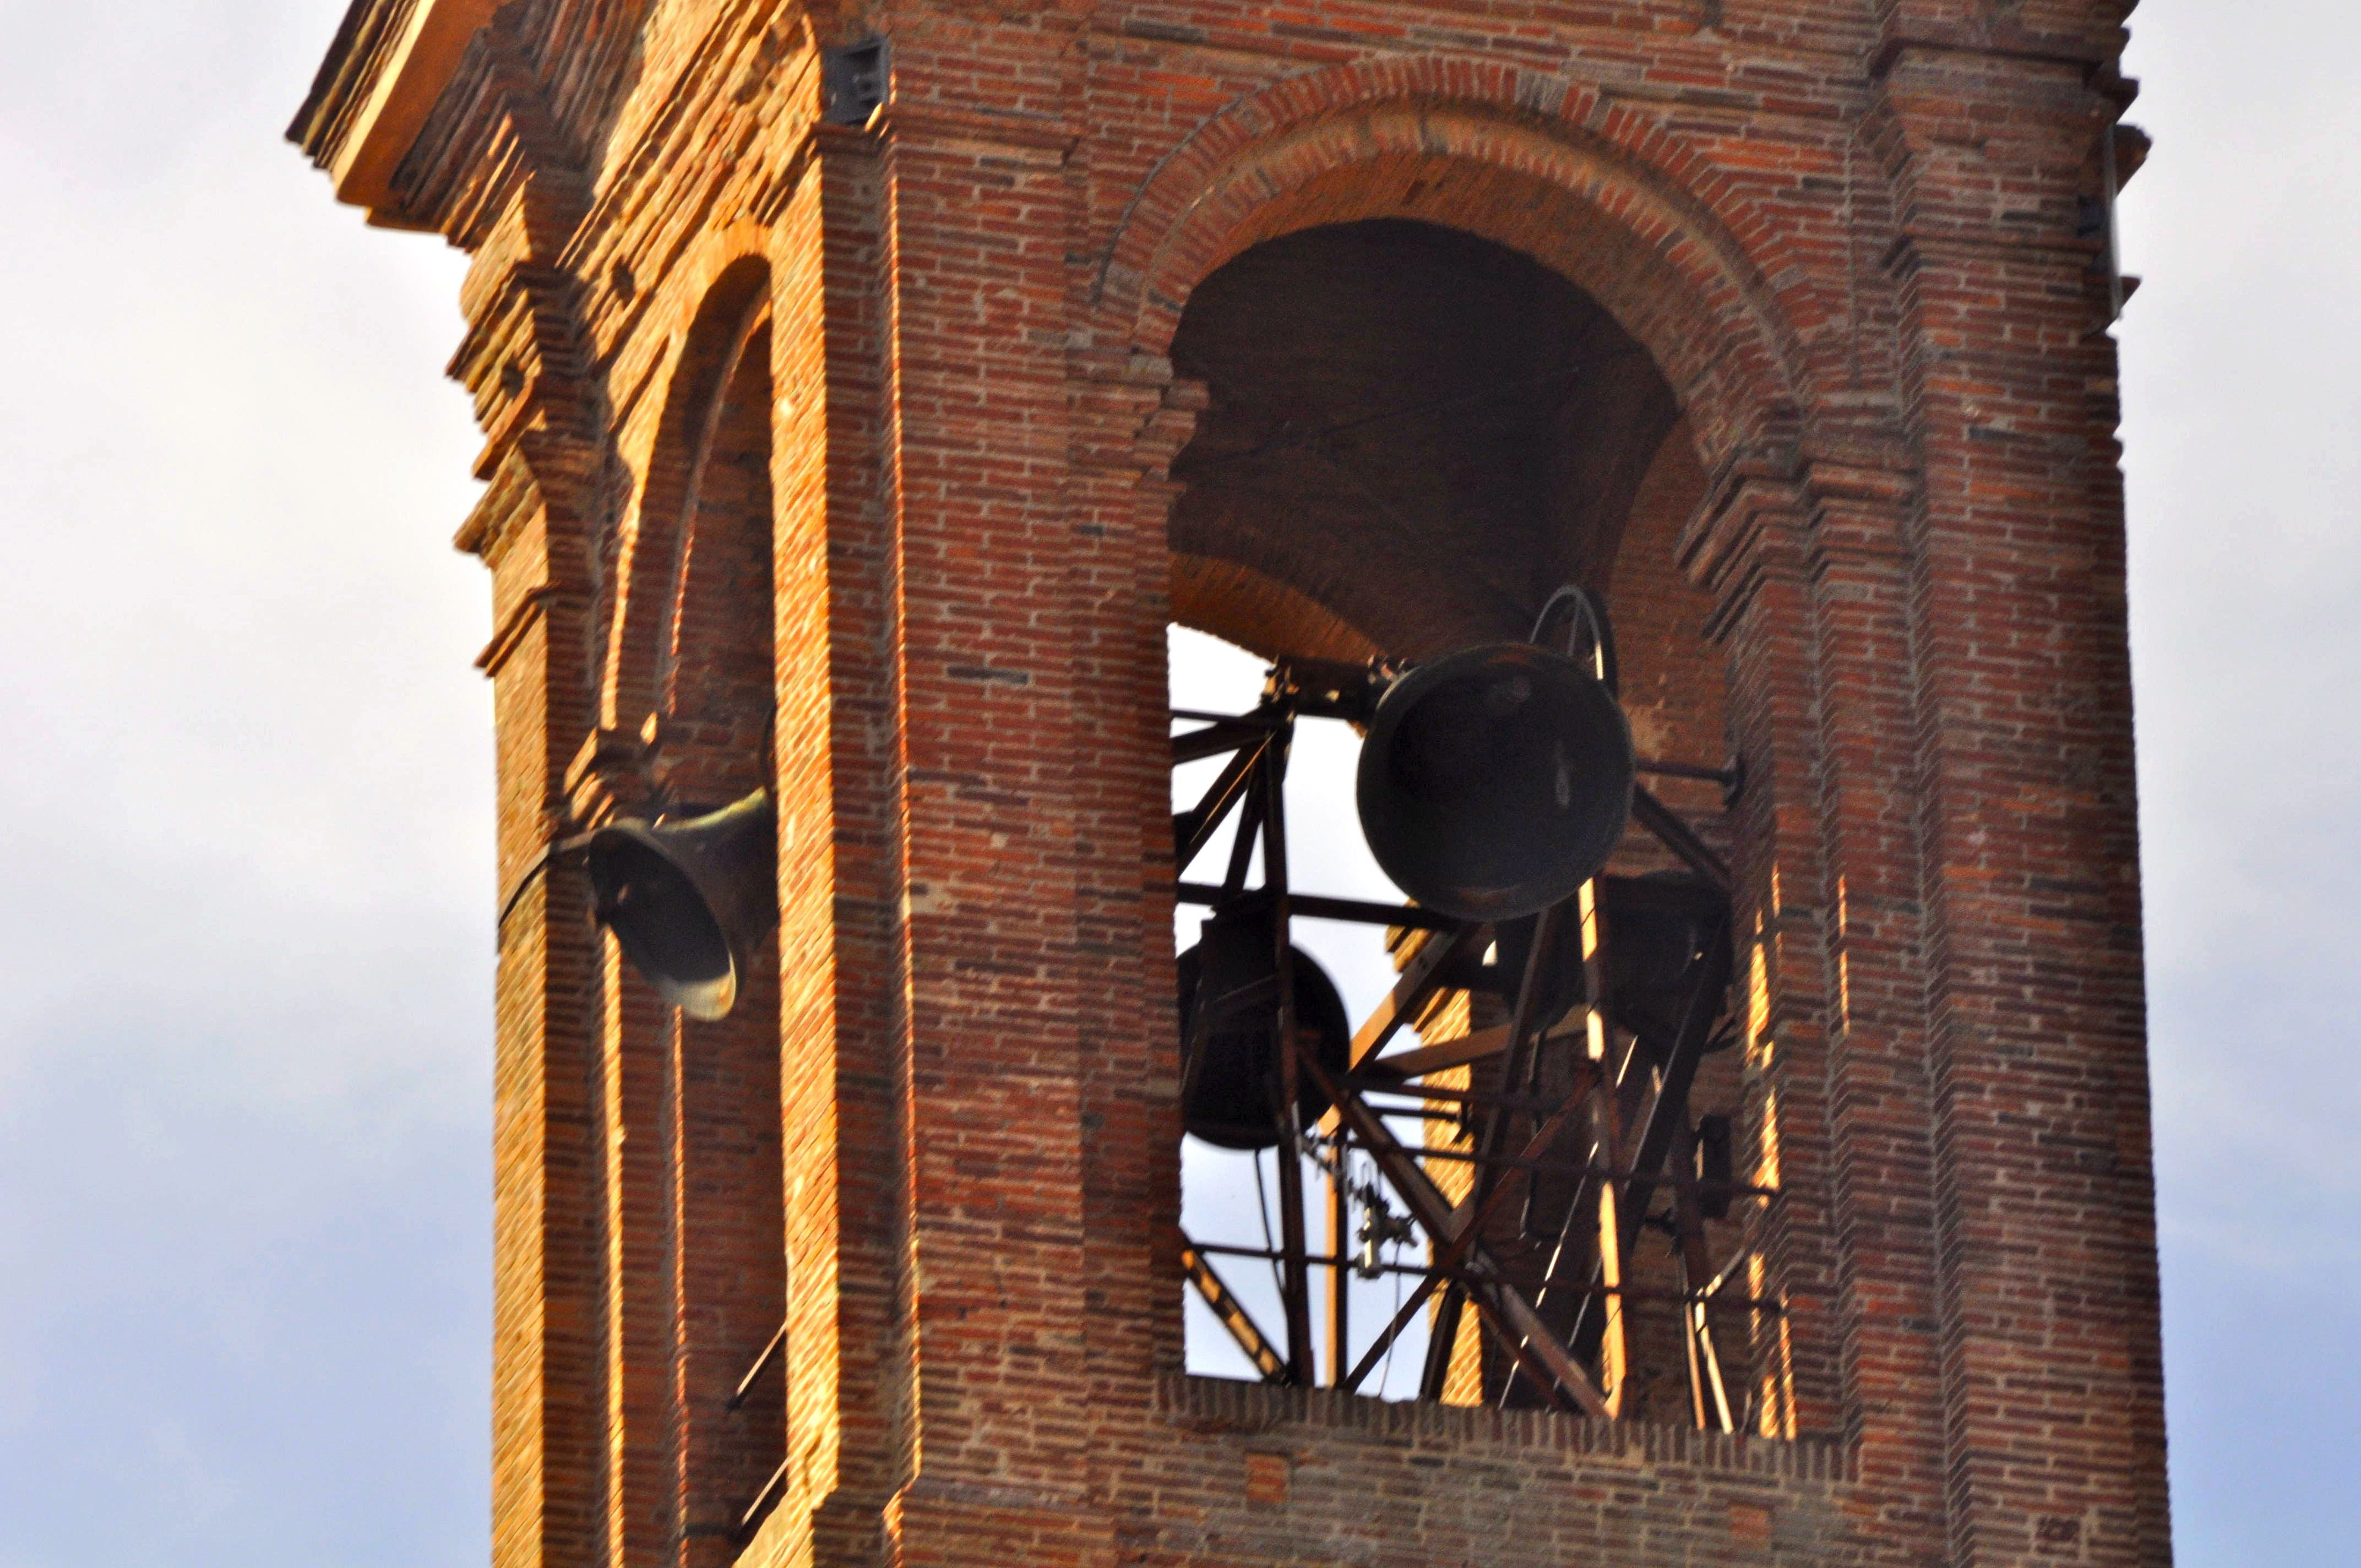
{"points": [[244, 975]]}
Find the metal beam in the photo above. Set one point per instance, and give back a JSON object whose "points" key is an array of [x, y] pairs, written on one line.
{"points": [[1231, 1312], [1297, 1281], [1222, 735], [1479, 1215], [1193, 829], [1315, 906], [1669, 1113], [762, 1364], [1674, 833], [1409, 992]]}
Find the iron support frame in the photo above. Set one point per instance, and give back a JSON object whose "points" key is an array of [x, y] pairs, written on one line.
{"points": [[1632, 1107]]}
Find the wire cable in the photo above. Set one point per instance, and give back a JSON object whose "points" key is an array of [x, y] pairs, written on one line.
{"points": [[1262, 1210]]}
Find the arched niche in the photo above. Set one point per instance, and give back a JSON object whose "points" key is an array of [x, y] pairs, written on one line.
{"points": [[691, 670]]}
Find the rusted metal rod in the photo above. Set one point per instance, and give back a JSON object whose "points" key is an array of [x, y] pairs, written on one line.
{"points": [[1725, 777], [1607, 1173], [1531, 1104], [1676, 834], [1272, 793], [762, 1364], [1222, 735], [1629, 1292], [1442, 1055], [1193, 829], [1411, 991], [773, 1490], [1668, 1116], [1262, 716], [1537, 1348], [1481, 1206]]}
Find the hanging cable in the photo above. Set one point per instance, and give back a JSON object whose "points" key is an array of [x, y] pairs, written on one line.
{"points": [[1262, 1211]]}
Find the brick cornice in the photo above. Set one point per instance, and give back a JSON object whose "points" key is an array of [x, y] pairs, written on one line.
{"points": [[384, 106], [635, 190]]}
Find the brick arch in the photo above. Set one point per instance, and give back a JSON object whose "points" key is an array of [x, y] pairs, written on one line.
{"points": [[1489, 502], [691, 643], [715, 674], [654, 572], [1254, 610], [1628, 212]]}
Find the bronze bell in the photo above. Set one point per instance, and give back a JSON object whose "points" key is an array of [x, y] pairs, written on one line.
{"points": [[689, 900], [1658, 927], [1230, 1087], [1495, 781]]}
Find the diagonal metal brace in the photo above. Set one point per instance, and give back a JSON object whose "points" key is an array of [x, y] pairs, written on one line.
{"points": [[1232, 1313], [1668, 1116], [1447, 1263], [1193, 829], [1521, 1326]]}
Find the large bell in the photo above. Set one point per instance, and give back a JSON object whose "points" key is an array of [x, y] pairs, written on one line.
{"points": [[1232, 1086], [1563, 982], [687, 901], [1658, 927], [1495, 781]]}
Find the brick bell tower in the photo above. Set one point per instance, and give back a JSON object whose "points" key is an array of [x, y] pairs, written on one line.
{"points": [[866, 386]]}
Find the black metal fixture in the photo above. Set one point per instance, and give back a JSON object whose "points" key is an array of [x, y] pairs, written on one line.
{"points": [[854, 80]]}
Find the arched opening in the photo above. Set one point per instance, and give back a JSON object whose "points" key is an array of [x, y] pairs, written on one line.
{"points": [[712, 677], [1412, 438]]}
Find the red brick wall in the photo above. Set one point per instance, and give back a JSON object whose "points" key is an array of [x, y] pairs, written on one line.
{"points": [[1844, 234]]}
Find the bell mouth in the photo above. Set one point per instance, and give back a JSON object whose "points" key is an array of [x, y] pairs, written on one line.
{"points": [[1231, 1106], [1496, 781], [662, 922]]}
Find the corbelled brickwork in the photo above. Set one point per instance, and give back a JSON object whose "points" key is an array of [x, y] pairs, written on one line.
{"points": [[842, 457]]}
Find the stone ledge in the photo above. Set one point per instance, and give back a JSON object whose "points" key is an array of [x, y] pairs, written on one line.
{"points": [[1235, 1406]]}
